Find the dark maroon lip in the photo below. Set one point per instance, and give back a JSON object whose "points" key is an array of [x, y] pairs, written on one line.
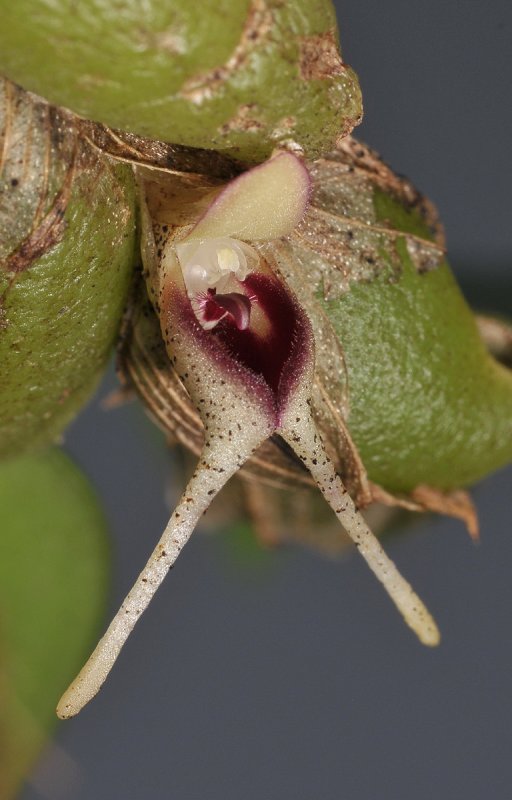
{"points": [[280, 355], [268, 366], [236, 305]]}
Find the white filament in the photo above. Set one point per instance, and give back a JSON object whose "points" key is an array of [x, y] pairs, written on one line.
{"points": [[204, 484], [307, 444]]}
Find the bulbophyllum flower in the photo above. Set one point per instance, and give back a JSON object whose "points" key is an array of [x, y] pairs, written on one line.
{"points": [[244, 348]]}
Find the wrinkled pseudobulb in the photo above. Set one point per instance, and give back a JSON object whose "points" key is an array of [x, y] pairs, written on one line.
{"points": [[244, 348], [67, 239]]}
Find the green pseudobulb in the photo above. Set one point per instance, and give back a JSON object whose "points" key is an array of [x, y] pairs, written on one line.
{"points": [[239, 76], [429, 404], [67, 239]]}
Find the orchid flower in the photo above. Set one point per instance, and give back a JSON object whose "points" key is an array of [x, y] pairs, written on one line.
{"points": [[244, 349]]}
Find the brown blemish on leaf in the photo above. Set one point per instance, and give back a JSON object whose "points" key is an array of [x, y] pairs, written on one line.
{"points": [[3, 316], [284, 128], [203, 87], [169, 41], [319, 57], [39, 160], [46, 235], [348, 124], [244, 120]]}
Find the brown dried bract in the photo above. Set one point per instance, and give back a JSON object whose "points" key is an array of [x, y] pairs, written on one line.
{"points": [[457, 504], [319, 57], [258, 25], [161, 156], [363, 159]]}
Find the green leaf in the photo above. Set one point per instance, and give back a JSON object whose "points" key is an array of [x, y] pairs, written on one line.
{"points": [[53, 580], [238, 76]]}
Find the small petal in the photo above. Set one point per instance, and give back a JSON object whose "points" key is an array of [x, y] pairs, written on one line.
{"points": [[266, 202]]}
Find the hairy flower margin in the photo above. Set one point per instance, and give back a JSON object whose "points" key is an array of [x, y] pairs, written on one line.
{"points": [[244, 349]]}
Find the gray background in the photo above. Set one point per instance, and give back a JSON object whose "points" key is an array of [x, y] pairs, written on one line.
{"points": [[299, 681]]}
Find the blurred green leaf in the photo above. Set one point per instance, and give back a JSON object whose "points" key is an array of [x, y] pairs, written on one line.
{"points": [[244, 551], [53, 580]]}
